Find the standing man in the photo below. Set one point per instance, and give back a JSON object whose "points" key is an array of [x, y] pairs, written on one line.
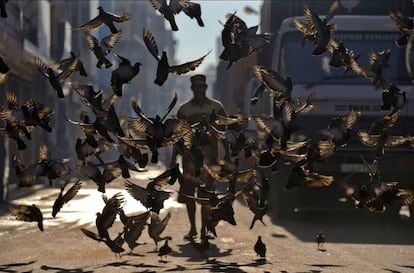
{"points": [[193, 111]]}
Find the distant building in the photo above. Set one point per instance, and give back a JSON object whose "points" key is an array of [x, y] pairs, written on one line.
{"points": [[41, 28]]}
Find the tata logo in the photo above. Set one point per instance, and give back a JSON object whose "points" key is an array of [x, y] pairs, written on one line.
{"points": [[357, 107]]}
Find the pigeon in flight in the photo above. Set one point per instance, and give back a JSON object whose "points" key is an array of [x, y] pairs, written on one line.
{"points": [[123, 74], [193, 10], [169, 10], [102, 48], [405, 25], [164, 68], [28, 214], [104, 18]]}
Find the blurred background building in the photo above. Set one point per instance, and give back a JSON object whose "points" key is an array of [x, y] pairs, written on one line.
{"points": [[43, 28]]}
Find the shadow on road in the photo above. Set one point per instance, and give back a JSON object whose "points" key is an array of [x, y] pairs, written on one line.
{"points": [[11, 267]]}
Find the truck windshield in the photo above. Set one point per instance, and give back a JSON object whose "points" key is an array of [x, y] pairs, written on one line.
{"points": [[303, 68]]}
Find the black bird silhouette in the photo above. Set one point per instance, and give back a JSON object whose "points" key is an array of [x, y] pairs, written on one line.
{"points": [[342, 56], [193, 10], [100, 178], [239, 41], [65, 64], [260, 247], [88, 95], [164, 68], [115, 245], [15, 130], [157, 227], [320, 240], [364, 193], [152, 197], [133, 227], [120, 163], [378, 136], [87, 127], [3, 12], [169, 10], [339, 128], [28, 115], [164, 250], [28, 214], [272, 82], [377, 62], [26, 175], [56, 80], [251, 198], [393, 98], [52, 168], [133, 153], [64, 198], [102, 48], [4, 70], [309, 33], [44, 166], [123, 74], [391, 197], [279, 128], [106, 218], [322, 31], [301, 177], [318, 152], [405, 25], [157, 132], [104, 18]]}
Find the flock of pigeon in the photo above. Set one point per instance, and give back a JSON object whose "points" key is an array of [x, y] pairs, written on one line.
{"points": [[132, 137]]}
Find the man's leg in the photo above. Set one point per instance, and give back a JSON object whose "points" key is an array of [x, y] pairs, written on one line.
{"points": [[205, 211], [191, 211]]}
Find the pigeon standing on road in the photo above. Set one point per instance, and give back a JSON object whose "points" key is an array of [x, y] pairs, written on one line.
{"points": [[104, 18], [320, 240], [260, 247], [164, 250]]}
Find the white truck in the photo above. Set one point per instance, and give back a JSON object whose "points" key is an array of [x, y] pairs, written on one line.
{"points": [[338, 94]]}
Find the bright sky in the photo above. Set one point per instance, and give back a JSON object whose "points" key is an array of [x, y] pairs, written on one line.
{"points": [[194, 41]]}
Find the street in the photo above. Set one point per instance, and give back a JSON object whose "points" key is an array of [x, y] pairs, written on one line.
{"points": [[291, 245]]}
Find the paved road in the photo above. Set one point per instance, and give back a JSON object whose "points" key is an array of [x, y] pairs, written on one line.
{"points": [[350, 247]]}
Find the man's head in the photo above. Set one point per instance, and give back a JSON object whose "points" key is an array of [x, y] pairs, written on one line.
{"points": [[199, 85]]}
